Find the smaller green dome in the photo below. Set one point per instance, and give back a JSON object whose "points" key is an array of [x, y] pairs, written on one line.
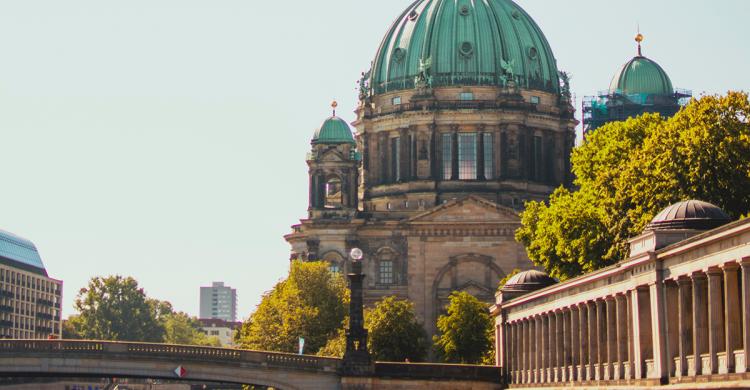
{"points": [[334, 131], [641, 76]]}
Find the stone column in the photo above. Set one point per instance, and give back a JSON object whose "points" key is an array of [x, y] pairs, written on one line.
{"points": [[732, 313], [564, 344], [583, 325], [501, 346], [593, 341], [715, 318], [700, 320], [544, 349], [641, 331], [659, 337], [611, 338], [622, 336], [601, 340], [539, 365], [745, 264], [685, 323], [524, 350], [560, 346], [575, 343], [551, 346], [630, 372]]}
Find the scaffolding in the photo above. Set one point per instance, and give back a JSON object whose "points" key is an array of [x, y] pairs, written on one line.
{"points": [[614, 106]]}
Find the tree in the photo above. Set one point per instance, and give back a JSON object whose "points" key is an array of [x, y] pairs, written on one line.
{"points": [[311, 303], [394, 333], [181, 329], [115, 308], [628, 171], [464, 331]]}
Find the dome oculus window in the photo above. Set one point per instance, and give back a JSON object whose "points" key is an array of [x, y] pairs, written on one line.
{"points": [[399, 54], [464, 10], [533, 53], [413, 15], [466, 49]]}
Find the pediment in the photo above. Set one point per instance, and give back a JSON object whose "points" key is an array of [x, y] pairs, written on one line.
{"points": [[332, 156], [475, 289], [472, 209]]}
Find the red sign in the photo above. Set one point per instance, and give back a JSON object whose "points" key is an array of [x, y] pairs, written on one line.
{"points": [[180, 371]]}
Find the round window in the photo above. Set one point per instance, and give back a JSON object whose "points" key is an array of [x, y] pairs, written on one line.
{"points": [[399, 54], [466, 49], [464, 10], [515, 14], [413, 15], [533, 53]]}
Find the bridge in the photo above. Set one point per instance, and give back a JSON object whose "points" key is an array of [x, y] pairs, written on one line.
{"points": [[100, 359]]}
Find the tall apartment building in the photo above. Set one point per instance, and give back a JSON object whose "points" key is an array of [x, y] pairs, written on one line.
{"points": [[218, 302], [30, 301]]}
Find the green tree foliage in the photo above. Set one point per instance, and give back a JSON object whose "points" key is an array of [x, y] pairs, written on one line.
{"points": [[394, 333], [628, 171], [311, 303], [464, 331], [115, 308], [181, 329]]}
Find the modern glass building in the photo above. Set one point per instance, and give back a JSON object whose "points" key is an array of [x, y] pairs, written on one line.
{"points": [[30, 301]]}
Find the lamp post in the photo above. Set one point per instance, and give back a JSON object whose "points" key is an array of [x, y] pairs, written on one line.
{"points": [[356, 358]]}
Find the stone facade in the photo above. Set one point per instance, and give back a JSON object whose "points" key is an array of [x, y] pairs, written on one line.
{"points": [[431, 185]]}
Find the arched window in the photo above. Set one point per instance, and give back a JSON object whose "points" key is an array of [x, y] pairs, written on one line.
{"points": [[335, 261], [387, 267], [334, 196]]}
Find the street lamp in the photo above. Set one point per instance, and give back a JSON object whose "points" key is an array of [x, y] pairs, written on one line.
{"points": [[356, 254]]}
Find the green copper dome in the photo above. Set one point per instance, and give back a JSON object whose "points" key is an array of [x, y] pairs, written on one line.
{"points": [[334, 131], [464, 42], [641, 76]]}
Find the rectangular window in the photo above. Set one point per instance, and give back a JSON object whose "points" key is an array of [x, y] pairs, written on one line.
{"points": [[386, 272], [466, 96], [396, 101], [489, 156], [412, 156], [537, 158], [447, 144], [535, 100], [467, 156], [396, 159]]}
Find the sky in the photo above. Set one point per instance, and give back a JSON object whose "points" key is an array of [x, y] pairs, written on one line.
{"points": [[166, 139]]}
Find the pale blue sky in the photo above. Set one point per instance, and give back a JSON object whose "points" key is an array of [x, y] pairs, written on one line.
{"points": [[165, 139]]}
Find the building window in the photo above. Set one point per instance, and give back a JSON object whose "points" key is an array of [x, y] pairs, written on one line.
{"points": [[386, 272], [412, 156], [489, 156], [537, 159], [396, 100], [535, 100], [467, 156], [447, 142], [396, 159], [334, 196], [334, 267], [466, 96]]}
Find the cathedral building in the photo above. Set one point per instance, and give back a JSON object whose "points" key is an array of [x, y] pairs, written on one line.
{"points": [[463, 117]]}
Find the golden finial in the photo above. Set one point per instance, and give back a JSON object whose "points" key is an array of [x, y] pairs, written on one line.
{"points": [[639, 38], [334, 104]]}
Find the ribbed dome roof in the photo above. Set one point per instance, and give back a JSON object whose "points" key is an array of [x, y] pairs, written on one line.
{"points": [[465, 42], [20, 252], [641, 76], [690, 214], [334, 131], [528, 281]]}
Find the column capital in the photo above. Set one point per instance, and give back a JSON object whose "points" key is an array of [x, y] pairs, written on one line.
{"points": [[610, 298], [745, 261], [698, 275], [730, 266], [684, 280], [714, 271]]}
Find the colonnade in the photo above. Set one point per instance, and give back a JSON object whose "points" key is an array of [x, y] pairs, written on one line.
{"points": [[668, 330]]}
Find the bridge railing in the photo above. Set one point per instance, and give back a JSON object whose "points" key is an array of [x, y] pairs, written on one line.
{"points": [[167, 351]]}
